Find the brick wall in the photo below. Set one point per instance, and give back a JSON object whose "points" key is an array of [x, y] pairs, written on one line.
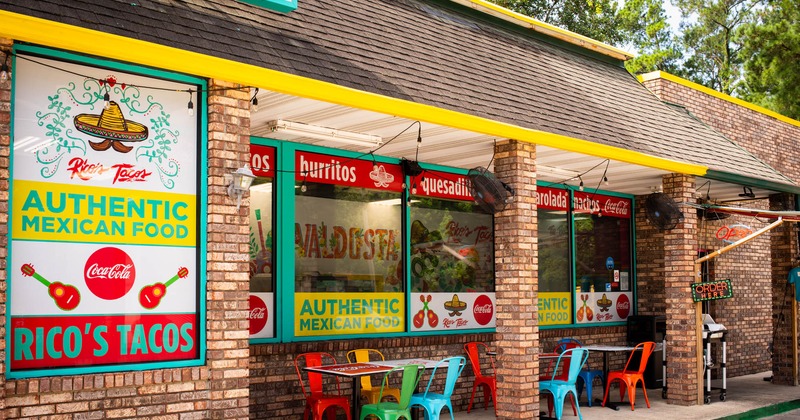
{"points": [[275, 389], [5, 176], [516, 282], [215, 391], [784, 257]]}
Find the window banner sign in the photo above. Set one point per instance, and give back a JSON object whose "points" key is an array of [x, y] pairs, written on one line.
{"points": [[262, 160], [103, 265], [606, 205], [555, 308], [327, 169], [348, 313], [552, 199], [452, 311], [595, 307], [712, 290], [442, 185], [262, 313]]}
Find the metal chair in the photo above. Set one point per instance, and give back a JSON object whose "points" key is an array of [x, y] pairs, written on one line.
{"points": [[367, 390], [629, 378], [560, 388], [402, 408], [586, 375], [489, 383], [317, 401], [432, 402]]}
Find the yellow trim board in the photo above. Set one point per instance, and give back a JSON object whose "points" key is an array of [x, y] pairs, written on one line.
{"points": [[86, 41], [719, 95], [545, 28]]}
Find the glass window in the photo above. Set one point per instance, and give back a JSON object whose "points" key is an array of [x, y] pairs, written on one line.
{"points": [[555, 266], [347, 246], [452, 255], [262, 226]]}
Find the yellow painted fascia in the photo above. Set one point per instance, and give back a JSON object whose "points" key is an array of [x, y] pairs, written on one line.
{"points": [[719, 95], [545, 28], [86, 41]]}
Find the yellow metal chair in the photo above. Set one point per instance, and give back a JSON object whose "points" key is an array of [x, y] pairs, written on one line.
{"points": [[367, 390]]}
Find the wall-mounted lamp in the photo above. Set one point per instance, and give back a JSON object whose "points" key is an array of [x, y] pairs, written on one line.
{"points": [[324, 133], [747, 192], [240, 182]]}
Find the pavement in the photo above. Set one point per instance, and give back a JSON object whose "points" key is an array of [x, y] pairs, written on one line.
{"points": [[749, 394]]}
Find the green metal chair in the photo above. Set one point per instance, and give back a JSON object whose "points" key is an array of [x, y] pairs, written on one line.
{"points": [[394, 410]]}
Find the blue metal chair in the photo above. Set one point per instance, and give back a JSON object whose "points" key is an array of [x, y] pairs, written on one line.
{"points": [[561, 388], [586, 375], [432, 402]]}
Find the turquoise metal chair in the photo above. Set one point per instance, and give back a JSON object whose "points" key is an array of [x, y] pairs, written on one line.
{"points": [[432, 402], [586, 376], [561, 388], [391, 410]]}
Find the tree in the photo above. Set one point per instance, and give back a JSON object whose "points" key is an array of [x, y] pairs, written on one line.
{"points": [[645, 22], [711, 40], [596, 19], [771, 51]]}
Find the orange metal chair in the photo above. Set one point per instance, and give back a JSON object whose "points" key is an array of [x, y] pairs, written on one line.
{"points": [[489, 383], [629, 378], [317, 402], [372, 394]]}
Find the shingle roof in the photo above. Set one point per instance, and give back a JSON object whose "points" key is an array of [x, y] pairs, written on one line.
{"points": [[430, 52]]}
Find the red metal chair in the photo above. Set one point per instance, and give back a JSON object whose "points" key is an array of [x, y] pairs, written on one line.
{"points": [[489, 383], [629, 378], [317, 402]]}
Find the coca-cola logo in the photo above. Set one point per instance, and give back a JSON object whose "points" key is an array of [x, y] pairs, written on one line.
{"points": [[483, 310], [623, 306], [109, 273], [258, 315]]}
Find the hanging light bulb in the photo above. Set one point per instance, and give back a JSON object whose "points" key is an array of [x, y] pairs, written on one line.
{"points": [[580, 186], [605, 180], [254, 101], [190, 106], [106, 100]]}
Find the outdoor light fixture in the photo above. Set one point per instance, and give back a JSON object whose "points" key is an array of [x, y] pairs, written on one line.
{"points": [[747, 192], [324, 133], [240, 182]]}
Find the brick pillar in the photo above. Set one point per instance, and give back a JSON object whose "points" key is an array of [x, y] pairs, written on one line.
{"points": [[228, 282], [517, 285], [784, 242], [5, 181], [680, 252]]}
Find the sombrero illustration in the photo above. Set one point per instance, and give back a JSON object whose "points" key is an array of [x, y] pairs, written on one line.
{"points": [[111, 126]]}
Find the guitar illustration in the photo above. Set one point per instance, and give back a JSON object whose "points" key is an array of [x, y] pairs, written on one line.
{"points": [[150, 296], [66, 296], [262, 262]]}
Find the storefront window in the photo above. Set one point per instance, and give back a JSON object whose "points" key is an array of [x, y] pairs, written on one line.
{"points": [[601, 288], [348, 246], [452, 255], [262, 280], [555, 277]]}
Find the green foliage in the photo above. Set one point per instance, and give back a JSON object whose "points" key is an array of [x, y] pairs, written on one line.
{"points": [[645, 22], [771, 47], [596, 19]]}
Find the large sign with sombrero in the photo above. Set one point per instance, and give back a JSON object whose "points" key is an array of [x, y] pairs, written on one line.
{"points": [[103, 266]]}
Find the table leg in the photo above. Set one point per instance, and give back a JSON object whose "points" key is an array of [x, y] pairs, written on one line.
{"points": [[356, 406], [610, 404]]}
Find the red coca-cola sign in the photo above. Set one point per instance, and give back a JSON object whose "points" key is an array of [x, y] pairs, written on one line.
{"points": [[483, 310], [109, 273], [258, 315], [623, 306]]}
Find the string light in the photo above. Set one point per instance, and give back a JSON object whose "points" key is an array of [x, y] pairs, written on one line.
{"points": [[106, 100], [605, 180], [580, 186], [254, 101], [191, 105]]}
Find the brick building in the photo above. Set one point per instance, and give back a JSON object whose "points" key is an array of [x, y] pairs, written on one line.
{"points": [[122, 124]]}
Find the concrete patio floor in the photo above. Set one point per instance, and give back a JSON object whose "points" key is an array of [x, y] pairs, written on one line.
{"points": [[744, 393]]}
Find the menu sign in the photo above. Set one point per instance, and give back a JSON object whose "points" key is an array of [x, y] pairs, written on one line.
{"points": [[442, 185], [606, 205], [103, 261], [326, 169]]}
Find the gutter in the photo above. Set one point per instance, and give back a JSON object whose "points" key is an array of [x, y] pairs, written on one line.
{"points": [[47, 33]]}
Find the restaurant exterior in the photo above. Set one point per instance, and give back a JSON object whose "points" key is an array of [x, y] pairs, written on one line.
{"points": [[139, 281]]}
